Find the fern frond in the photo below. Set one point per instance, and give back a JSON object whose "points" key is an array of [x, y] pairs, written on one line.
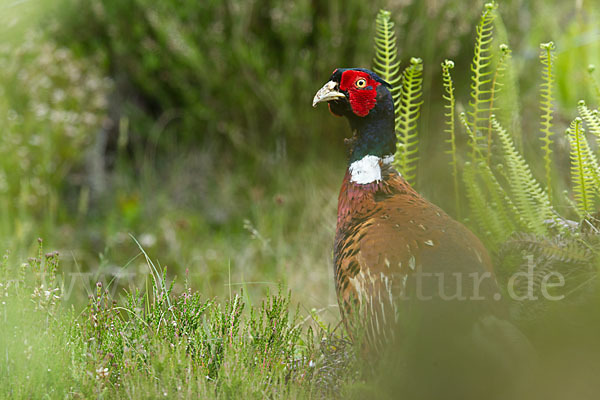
{"points": [[450, 104], [582, 174], [500, 203], [481, 77], [409, 111], [477, 154], [593, 122], [495, 88], [406, 93], [479, 204], [507, 106], [547, 108], [555, 248], [530, 199], [491, 208], [386, 63], [591, 118]]}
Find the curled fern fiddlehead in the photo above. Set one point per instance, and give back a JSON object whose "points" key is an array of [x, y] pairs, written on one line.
{"points": [[408, 114], [546, 107], [482, 75], [450, 104]]}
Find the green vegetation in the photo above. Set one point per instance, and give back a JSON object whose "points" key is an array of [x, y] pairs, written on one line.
{"points": [[482, 88], [450, 107], [546, 104], [137, 131], [386, 62], [407, 153], [153, 341]]}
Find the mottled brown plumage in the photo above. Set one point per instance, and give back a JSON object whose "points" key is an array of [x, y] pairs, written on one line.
{"points": [[386, 234]]}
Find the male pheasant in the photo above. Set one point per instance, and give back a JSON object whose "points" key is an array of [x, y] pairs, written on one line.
{"points": [[391, 244]]}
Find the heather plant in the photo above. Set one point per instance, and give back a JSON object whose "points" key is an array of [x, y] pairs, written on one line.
{"points": [[157, 342]]}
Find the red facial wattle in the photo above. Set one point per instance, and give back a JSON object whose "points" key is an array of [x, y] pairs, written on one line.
{"points": [[362, 99]]}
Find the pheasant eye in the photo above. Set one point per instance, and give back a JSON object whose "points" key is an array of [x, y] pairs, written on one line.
{"points": [[361, 83]]}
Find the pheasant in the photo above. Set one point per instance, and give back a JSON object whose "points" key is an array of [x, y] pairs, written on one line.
{"points": [[390, 243]]}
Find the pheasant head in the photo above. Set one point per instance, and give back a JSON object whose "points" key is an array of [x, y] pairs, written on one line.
{"points": [[365, 100]]}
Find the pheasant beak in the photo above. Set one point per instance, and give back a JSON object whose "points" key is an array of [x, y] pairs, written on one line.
{"points": [[327, 93]]}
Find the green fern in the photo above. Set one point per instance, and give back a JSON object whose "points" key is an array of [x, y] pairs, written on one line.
{"points": [[489, 203], [503, 207], [555, 248], [593, 122], [481, 77], [507, 105], [546, 107], [496, 86], [386, 62], [406, 92], [408, 114], [477, 154], [448, 96], [582, 174], [484, 190], [478, 204], [529, 197], [590, 117]]}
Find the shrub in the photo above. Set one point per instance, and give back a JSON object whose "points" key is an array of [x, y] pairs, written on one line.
{"points": [[51, 106]]}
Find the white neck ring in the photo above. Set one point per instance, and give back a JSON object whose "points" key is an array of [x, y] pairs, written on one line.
{"points": [[368, 169]]}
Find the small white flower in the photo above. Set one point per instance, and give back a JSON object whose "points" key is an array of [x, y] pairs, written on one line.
{"points": [[102, 372]]}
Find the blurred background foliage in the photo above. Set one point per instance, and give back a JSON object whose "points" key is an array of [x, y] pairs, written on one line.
{"points": [[188, 124]]}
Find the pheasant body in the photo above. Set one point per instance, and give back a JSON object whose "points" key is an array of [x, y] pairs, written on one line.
{"points": [[387, 237], [391, 244]]}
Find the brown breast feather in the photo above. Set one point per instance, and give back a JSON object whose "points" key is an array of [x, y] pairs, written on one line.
{"points": [[386, 232]]}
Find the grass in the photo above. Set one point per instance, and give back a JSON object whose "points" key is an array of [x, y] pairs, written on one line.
{"points": [[243, 310], [155, 343], [221, 230]]}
